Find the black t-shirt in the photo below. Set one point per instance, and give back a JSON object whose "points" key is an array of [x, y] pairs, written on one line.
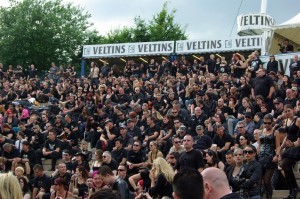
{"points": [[262, 86], [221, 141], [203, 142], [43, 181], [113, 165], [151, 130], [30, 155], [52, 145], [118, 155], [192, 159]]}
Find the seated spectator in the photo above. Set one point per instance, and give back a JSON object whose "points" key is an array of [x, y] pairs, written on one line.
{"points": [[41, 182], [177, 147], [116, 183], [202, 141], [60, 189], [135, 158], [67, 159], [80, 160], [161, 176], [212, 160], [235, 170], [10, 153], [24, 184], [153, 154], [222, 141], [61, 172], [51, 150], [98, 160], [84, 148], [109, 161], [78, 184], [119, 153], [26, 158]]}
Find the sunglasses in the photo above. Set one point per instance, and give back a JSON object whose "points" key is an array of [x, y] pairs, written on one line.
{"points": [[136, 145], [248, 152], [177, 142], [121, 170], [240, 127], [103, 156], [242, 139]]}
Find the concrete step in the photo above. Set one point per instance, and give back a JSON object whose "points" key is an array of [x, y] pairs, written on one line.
{"points": [[279, 194], [48, 173], [48, 161]]}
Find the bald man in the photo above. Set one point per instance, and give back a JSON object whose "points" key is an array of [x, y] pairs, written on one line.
{"points": [[216, 185]]}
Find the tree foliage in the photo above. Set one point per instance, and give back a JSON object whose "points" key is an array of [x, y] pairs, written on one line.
{"points": [[42, 31], [161, 27]]}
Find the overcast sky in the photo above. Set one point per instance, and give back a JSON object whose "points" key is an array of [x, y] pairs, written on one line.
{"points": [[204, 19]]}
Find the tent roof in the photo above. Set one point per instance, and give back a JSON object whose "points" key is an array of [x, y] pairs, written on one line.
{"points": [[287, 30], [290, 29]]}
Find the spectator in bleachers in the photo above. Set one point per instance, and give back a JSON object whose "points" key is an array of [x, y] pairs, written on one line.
{"points": [[41, 182], [51, 150]]}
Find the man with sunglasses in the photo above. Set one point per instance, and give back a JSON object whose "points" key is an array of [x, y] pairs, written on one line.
{"points": [[135, 158], [241, 129]]}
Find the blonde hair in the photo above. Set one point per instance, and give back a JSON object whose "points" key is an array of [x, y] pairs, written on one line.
{"points": [[162, 167], [20, 169], [10, 187]]}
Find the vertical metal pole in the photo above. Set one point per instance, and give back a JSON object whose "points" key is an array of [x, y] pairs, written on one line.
{"points": [[83, 62], [263, 6]]}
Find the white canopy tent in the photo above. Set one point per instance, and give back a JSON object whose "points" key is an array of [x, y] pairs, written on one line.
{"points": [[288, 30]]}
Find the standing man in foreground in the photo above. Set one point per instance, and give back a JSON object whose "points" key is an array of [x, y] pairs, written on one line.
{"points": [[216, 185], [190, 158]]}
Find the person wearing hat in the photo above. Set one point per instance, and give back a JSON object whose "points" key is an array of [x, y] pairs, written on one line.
{"points": [[181, 132], [278, 107], [26, 158], [110, 133], [125, 137], [80, 160], [201, 141]]}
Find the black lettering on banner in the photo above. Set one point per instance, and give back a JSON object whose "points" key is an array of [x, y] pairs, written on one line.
{"points": [[95, 49]]}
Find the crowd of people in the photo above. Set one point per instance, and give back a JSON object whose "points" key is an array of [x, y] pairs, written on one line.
{"points": [[184, 129]]}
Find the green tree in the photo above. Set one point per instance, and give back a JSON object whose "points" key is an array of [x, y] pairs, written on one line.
{"points": [[42, 31], [161, 27]]}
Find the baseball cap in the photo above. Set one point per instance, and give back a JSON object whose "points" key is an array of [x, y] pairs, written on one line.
{"points": [[199, 127], [182, 128], [278, 100], [123, 126]]}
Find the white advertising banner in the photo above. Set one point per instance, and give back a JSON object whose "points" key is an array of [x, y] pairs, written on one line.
{"points": [[128, 49], [218, 45], [252, 24], [284, 61]]}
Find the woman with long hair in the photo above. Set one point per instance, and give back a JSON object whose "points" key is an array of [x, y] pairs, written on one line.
{"points": [[25, 187], [212, 160], [161, 176], [153, 153], [244, 141], [78, 184], [10, 187], [235, 171], [60, 189], [291, 154], [244, 89], [98, 160], [269, 146]]}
